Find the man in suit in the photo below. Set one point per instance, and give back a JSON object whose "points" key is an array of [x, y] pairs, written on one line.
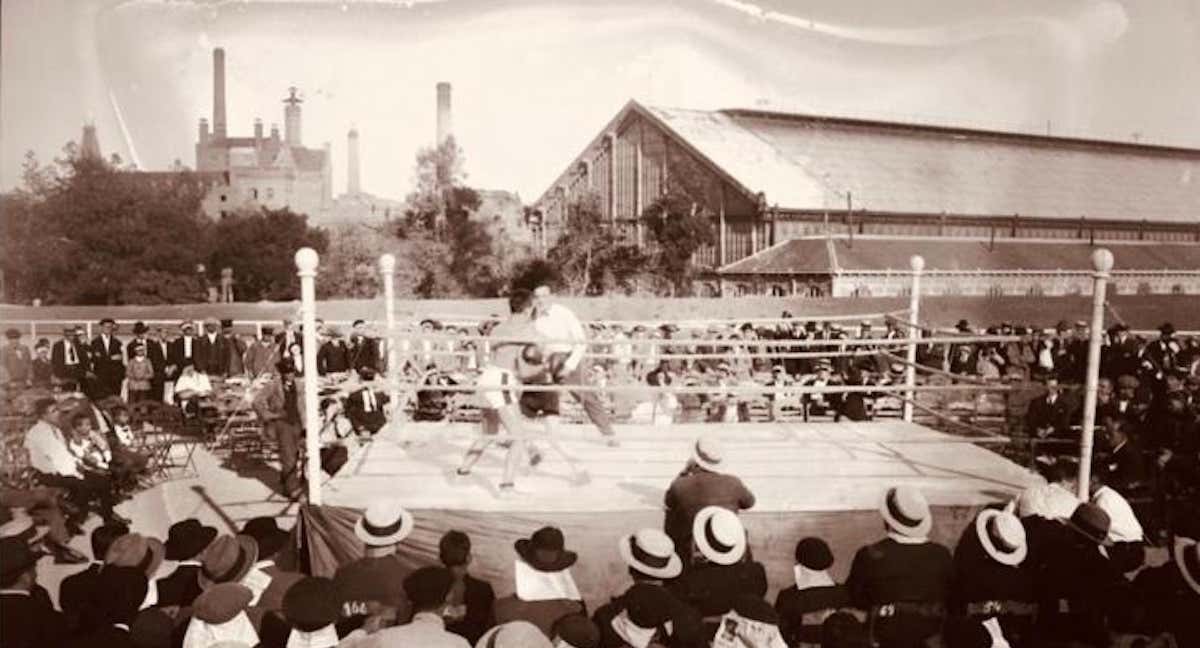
{"points": [[108, 361], [17, 361], [287, 337], [363, 351], [211, 350], [262, 356], [76, 592], [1125, 468], [469, 606], [1160, 356], [365, 407], [234, 350], [333, 356], [1050, 415], [27, 618], [122, 591], [701, 484], [69, 361], [159, 351], [182, 350], [186, 540], [267, 580], [1120, 356]]}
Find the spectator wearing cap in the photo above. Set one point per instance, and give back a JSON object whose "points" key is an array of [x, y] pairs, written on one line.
{"points": [[219, 614], [75, 591], [307, 617], [1124, 466], [427, 589], [514, 634], [108, 361], [902, 581], [41, 367], [722, 568], [1079, 590], [373, 584], [144, 553], [991, 575], [116, 601], [804, 606], [545, 590], [262, 356], [27, 618], [702, 483], [279, 405], [1171, 593], [469, 609], [817, 403], [186, 541], [16, 361], [69, 359]]}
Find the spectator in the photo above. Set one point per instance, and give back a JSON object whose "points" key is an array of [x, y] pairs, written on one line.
{"points": [[722, 568], [140, 373], [575, 631], [69, 361], [27, 618], [991, 577], [814, 597], [702, 483], [108, 362], [644, 619], [333, 356], [279, 406], [1171, 593], [366, 407], [1125, 542], [41, 508], [427, 589], [138, 551], [267, 580], [514, 634], [545, 590], [1160, 356], [158, 349], [844, 630], [186, 541], [219, 615], [232, 350], [1120, 356], [117, 599], [363, 350], [55, 465], [262, 357], [41, 368], [751, 623], [902, 580], [16, 361], [309, 614], [76, 591], [650, 556], [1129, 405], [228, 559], [1049, 417], [1124, 469], [211, 350], [373, 584], [469, 605]]}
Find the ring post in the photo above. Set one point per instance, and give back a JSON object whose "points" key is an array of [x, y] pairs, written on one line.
{"points": [[917, 263], [1102, 262], [387, 267], [306, 269]]}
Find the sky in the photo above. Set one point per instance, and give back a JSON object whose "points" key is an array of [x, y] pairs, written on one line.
{"points": [[535, 80]]}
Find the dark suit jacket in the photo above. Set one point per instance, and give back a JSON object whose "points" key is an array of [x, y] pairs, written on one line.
{"points": [[1125, 469], [479, 615], [363, 352], [360, 417], [108, 636], [711, 589], [1042, 414], [180, 587], [333, 357], [542, 614], [30, 622], [75, 596], [695, 490], [176, 356], [107, 363], [58, 360], [210, 357]]}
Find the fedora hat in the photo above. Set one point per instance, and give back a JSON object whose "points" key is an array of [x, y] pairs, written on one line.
{"points": [[1187, 560], [227, 560], [140, 327], [906, 512], [544, 550], [650, 552], [16, 556], [1002, 536], [384, 523], [187, 538], [719, 535], [136, 550], [1090, 521], [267, 534], [708, 453]]}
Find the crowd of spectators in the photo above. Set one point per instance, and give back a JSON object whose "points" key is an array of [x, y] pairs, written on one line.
{"points": [[1044, 570]]}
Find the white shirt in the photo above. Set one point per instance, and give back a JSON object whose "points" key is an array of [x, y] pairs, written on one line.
{"points": [[1125, 526], [69, 352], [49, 452], [187, 346], [194, 381], [426, 630], [559, 323]]}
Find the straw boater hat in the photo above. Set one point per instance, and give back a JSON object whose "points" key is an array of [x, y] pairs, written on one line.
{"points": [[906, 512], [1002, 536], [719, 535], [1187, 560], [227, 560], [708, 453], [136, 550], [384, 523], [650, 552]]}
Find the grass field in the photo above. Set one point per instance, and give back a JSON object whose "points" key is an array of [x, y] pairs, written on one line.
{"points": [[1139, 311]]}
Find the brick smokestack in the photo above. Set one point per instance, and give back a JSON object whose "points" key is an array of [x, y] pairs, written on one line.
{"points": [[219, 93], [291, 119], [353, 181], [443, 112]]}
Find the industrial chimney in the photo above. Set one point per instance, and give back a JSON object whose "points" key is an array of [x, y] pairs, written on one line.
{"points": [[89, 144], [353, 182], [219, 132], [258, 129], [291, 118], [443, 112]]}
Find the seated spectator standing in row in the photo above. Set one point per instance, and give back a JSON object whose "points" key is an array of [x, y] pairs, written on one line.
{"points": [[545, 590], [814, 597], [366, 407], [469, 604], [701, 483], [902, 580], [55, 465]]}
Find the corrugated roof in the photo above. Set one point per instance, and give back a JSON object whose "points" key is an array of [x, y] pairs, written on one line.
{"points": [[810, 163], [810, 255]]}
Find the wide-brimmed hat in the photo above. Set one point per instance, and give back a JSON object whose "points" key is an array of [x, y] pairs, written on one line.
{"points": [[544, 550], [311, 604], [1090, 521], [1187, 560], [16, 556], [1002, 536], [220, 602], [963, 325], [1167, 328], [708, 453], [906, 511], [266, 532], [136, 550], [651, 552], [719, 535], [227, 560], [384, 523], [140, 327], [187, 538]]}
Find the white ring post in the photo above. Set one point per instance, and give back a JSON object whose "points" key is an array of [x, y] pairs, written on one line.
{"points": [[387, 267], [1102, 262], [306, 269], [917, 263]]}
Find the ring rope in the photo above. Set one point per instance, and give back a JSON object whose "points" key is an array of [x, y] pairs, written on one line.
{"points": [[697, 341], [937, 372], [731, 390], [682, 323]]}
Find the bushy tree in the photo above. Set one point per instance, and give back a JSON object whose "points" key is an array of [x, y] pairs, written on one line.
{"points": [[589, 256], [260, 247], [678, 229]]}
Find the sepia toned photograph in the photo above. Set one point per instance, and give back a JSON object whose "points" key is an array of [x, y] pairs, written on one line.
{"points": [[600, 324]]}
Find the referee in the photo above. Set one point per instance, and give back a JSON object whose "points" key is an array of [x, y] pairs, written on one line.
{"points": [[566, 356]]}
